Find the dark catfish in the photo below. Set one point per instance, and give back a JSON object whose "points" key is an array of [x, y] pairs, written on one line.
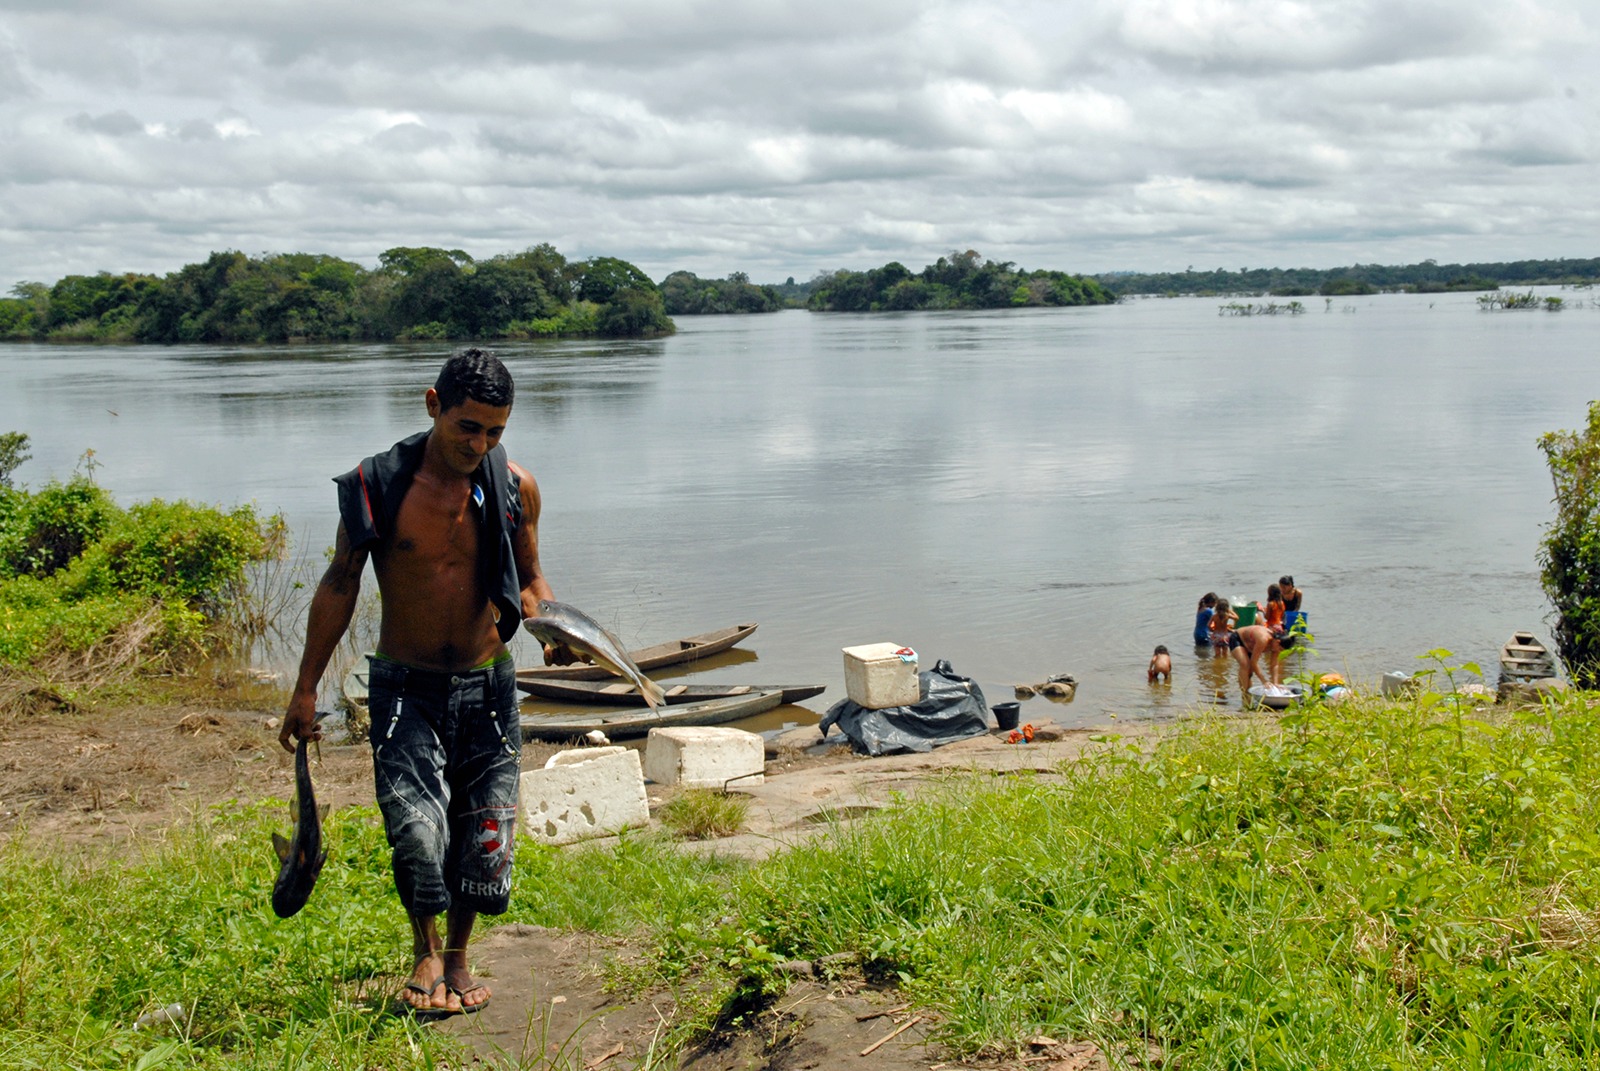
{"points": [[301, 853]]}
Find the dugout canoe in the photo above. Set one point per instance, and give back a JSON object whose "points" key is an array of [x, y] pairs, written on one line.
{"points": [[623, 693], [671, 653], [621, 724], [1524, 658]]}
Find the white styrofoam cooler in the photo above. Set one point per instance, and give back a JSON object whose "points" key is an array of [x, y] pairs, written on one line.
{"points": [[878, 675]]}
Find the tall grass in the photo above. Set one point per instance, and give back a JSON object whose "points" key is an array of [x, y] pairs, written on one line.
{"points": [[1371, 886]]}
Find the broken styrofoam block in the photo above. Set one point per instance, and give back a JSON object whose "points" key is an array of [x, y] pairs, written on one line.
{"points": [[588, 792], [704, 756]]}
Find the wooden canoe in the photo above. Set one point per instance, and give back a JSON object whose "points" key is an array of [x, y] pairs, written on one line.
{"points": [[621, 724], [623, 693], [1524, 658], [671, 653]]}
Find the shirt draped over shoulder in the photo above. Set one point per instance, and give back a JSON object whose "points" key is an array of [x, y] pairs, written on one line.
{"points": [[369, 501]]}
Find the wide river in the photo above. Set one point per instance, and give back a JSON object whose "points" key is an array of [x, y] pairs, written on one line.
{"points": [[1022, 493]]}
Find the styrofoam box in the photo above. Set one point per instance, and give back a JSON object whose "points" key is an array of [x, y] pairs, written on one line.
{"points": [[704, 756], [876, 677]]}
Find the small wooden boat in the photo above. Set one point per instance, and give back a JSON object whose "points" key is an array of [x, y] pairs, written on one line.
{"points": [[1524, 658], [623, 693], [625, 723], [671, 653]]}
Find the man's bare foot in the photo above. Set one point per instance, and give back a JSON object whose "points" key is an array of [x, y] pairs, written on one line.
{"points": [[427, 991], [470, 994]]}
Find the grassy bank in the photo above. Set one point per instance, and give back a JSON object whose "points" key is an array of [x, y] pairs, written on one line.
{"points": [[1372, 885]]}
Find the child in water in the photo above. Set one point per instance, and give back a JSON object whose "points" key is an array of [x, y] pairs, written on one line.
{"points": [[1275, 608], [1202, 618], [1221, 625], [1160, 666]]}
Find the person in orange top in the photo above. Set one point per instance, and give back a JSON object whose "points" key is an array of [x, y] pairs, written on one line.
{"points": [[1274, 608]]}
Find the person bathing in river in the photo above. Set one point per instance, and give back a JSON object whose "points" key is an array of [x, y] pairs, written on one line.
{"points": [[1221, 626], [1249, 644], [1202, 618], [1160, 666], [451, 526], [1291, 602], [1274, 608]]}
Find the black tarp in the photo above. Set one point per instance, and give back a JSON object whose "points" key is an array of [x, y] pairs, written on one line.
{"points": [[951, 708]]}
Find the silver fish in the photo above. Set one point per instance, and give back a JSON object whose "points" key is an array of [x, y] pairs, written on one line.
{"points": [[301, 853], [570, 627]]}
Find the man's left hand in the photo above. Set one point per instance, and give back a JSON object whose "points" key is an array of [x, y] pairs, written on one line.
{"points": [[559, 654]]}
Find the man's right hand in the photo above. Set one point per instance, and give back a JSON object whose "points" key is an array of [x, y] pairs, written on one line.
{"points": [[299, 722]]}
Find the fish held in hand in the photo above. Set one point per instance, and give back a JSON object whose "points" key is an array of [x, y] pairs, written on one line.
{"points": [[570, 627], [300, 853]]}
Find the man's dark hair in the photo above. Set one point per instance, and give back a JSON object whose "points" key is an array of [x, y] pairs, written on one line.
{"points": [[1287, 641], [476, 374]]}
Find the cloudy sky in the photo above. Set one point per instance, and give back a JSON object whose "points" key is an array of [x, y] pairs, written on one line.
{"points": [[783, 138]]}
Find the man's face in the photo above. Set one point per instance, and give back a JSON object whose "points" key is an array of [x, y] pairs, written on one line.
{"points": [[468, 432]]}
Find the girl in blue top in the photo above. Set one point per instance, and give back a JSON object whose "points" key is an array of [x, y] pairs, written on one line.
{"points": [[1202, 619]]}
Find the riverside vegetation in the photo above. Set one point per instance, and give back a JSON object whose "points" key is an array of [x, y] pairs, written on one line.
{"points": [[96, 597], [415, 293], [1373, 885]]}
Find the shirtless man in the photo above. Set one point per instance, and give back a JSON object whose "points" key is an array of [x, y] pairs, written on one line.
{"points": [[451, 527], [1249, 643]]}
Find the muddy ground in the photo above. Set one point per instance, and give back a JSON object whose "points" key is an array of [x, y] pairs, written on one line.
{"points": [[107, 781]]}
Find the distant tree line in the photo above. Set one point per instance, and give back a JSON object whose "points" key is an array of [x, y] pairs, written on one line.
{"points": [[686, 294], [415, 293], [957, 281], [1425, 278]]}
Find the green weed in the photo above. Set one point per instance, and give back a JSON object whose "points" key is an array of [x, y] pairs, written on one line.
{"points": [[702, 814]]}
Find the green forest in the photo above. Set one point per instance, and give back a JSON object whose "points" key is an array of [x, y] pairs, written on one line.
{"points": [[686, 294], [428, 293], [956, 281], [415, 293], [1424, 278]]}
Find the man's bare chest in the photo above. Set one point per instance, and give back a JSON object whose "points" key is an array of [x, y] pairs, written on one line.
{"points": [[436, 525]]}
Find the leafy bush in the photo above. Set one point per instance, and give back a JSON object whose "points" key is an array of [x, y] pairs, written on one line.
{"points": [[1569, 556], [50, 527], [160, 577], [13, 452], [174, 551]]}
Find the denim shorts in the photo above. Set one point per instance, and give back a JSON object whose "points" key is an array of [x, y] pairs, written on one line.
{"points": [[446, 753]]}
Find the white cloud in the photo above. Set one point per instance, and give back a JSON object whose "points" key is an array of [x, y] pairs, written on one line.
{"points": [[779, 139]]}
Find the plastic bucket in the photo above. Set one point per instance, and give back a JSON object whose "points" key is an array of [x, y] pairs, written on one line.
{"points": [[1294, 621], [1006, 715], [1246, 612]]}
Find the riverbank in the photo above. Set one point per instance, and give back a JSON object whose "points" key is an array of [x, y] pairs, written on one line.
{"points": [[1374, 884]]}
